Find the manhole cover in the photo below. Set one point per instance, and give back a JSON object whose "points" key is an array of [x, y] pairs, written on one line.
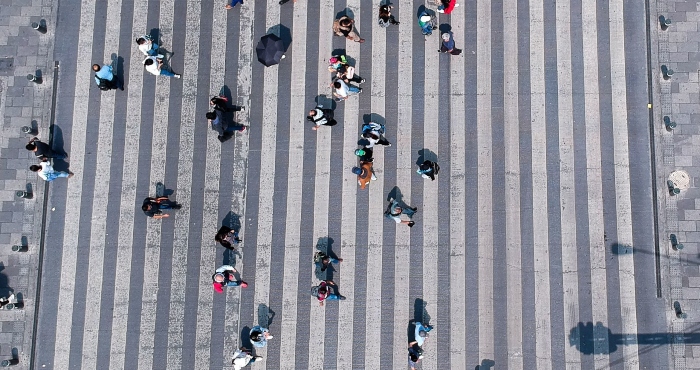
{"points": [[680, 179], [7, 65]]}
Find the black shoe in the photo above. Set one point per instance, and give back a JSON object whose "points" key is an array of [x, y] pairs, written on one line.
{"points": [[177, 206], [342, 297], [410, 224], [414, 208]]}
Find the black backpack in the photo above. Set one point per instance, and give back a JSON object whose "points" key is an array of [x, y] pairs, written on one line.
{"points": [[104, 84]]}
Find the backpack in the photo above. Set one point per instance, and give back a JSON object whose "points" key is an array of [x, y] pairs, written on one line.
{"points": [[314, 291], [372, 126], [383, 23], [436, 168], [104, 84]]}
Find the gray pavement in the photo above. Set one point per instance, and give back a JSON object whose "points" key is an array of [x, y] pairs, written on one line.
{"points": [[534, 249]]}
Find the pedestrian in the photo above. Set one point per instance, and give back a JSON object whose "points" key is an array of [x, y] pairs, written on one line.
{"points": [[227, 237], [155, 66], [148, 47], [385, 17], [225, 276], [427, 23], [448, 44], [322, 292], [221, 103], [242, 357], [321, 117], [42, 150], [153, 207], [221, 125], [394, 212], [446, 6], [415, 354], [46, 171], [373, 133], [105, 78], [428, 169], [338, 64], [365, 173], [259, 336], [4, 301], [343, 90], [421, 333], [233, 4], [365, 154], [345, 26], [322, 260]]}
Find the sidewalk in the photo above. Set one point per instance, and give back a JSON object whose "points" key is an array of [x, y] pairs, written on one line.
{"points": [[23, 51], [679, 150]]}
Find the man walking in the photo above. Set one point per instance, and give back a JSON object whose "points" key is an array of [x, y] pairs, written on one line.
{"points": [[421, 332], [321, 117], [152, 207], [46, 171], [323, 260], [148, 47], [343, 90], [154, 65], [242, 357], [42, 150], [428, 169], [221, 126], [322, 292], [345, 26], [374, 134], [105, 78], [365, 173], [395, 211]]}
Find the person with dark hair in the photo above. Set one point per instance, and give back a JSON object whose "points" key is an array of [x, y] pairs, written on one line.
{"points": [[46, 171], [221, 126], [322, 260], [42, 150], [342, 90], [322, 292], [415, 354], [394, 212], [428, 169], [155, 67], [385, 17], [105, 78], [152, 207], [242, 357], [227, 237], [148, 47], [321, 117], [446, 6], [259, 336], [345, 26], [224, 276], [343, 70]]}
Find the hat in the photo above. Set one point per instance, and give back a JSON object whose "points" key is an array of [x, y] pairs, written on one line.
{"points": [[359, 152], [425, 18], [423, 334], [357, 170], [333, 60], [446, 36]]}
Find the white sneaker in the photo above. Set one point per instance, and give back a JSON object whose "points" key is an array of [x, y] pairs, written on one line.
{"points": [[457, 5], [374, 177], [177, 75], [160, 56], [270, 337]]}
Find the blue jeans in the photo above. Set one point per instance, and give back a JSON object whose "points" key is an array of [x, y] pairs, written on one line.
{"points": [[165, 205], [408, 212], [54, 175], [234, 3], [333, 297], [154, 49], [353, 89], [166, 73]]}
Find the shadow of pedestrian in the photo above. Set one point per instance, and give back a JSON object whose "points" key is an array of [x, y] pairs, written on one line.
{"points": [[420, 312], [325, 245], [395, 193], [245, 339], [229, 256], [232, 220], [326, 101], [5, 290], [57, 146], [283, 32], [265, 315], [121, 72], [444, 28], [422, 9], [426, 155], [346, 11], [373, 117], [486, 364]]}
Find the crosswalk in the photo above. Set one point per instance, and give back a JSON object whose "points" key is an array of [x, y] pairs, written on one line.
{"points": [[514, 243]]}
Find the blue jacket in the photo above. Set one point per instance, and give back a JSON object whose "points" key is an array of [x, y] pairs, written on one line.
{"points": [[104, 73]]}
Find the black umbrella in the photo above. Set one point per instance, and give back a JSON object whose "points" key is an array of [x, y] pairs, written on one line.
{"points": [[270, 50]]}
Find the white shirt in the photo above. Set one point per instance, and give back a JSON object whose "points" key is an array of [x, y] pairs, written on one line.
{"points": [[146, 47], [153, 68], [46, 169], [343, 90]]}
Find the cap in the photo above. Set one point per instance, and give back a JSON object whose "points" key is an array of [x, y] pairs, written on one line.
{"points": [[445, 36], [357, 170], [333, 60], [422, 334], [359, 152], [425, 18]]}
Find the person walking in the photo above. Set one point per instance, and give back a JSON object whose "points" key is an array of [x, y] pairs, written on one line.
{"points": [[105, 78], [233, 4], [343, 90], [345, 26], [373, 133], [448, 44], [259, 336], [154, 65], [322, 292], [42, 150], [421, 333], [227, 237], [321, 117], [224, 276], [415, 354], [446, 6], [152, 207], [365, 154], [322, 260], [219, 124], [344, 71], [46, 171], [385, 17], [394, 212], [427, 23], [243, 357], [428, 169], [365, 174], [148, 47]]}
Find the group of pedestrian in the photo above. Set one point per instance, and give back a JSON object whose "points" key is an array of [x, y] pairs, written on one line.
{"points": [[44, 153]]}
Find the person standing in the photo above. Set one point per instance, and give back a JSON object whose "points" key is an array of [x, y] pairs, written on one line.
{"points": [[42, 150], [155, 67], [105, 78], [242, 357], [322, 292], [224, 276], [343, 90], [394, 212], [46, 171], [345, 26], [321, 117], [421, 333], [259, 336], [428, 169], [448, 44], [152, 207], [385, 17], [227, 237], [148, 47]]}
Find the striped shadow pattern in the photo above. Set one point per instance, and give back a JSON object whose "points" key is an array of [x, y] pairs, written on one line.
{"points": [[533, 249]]}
